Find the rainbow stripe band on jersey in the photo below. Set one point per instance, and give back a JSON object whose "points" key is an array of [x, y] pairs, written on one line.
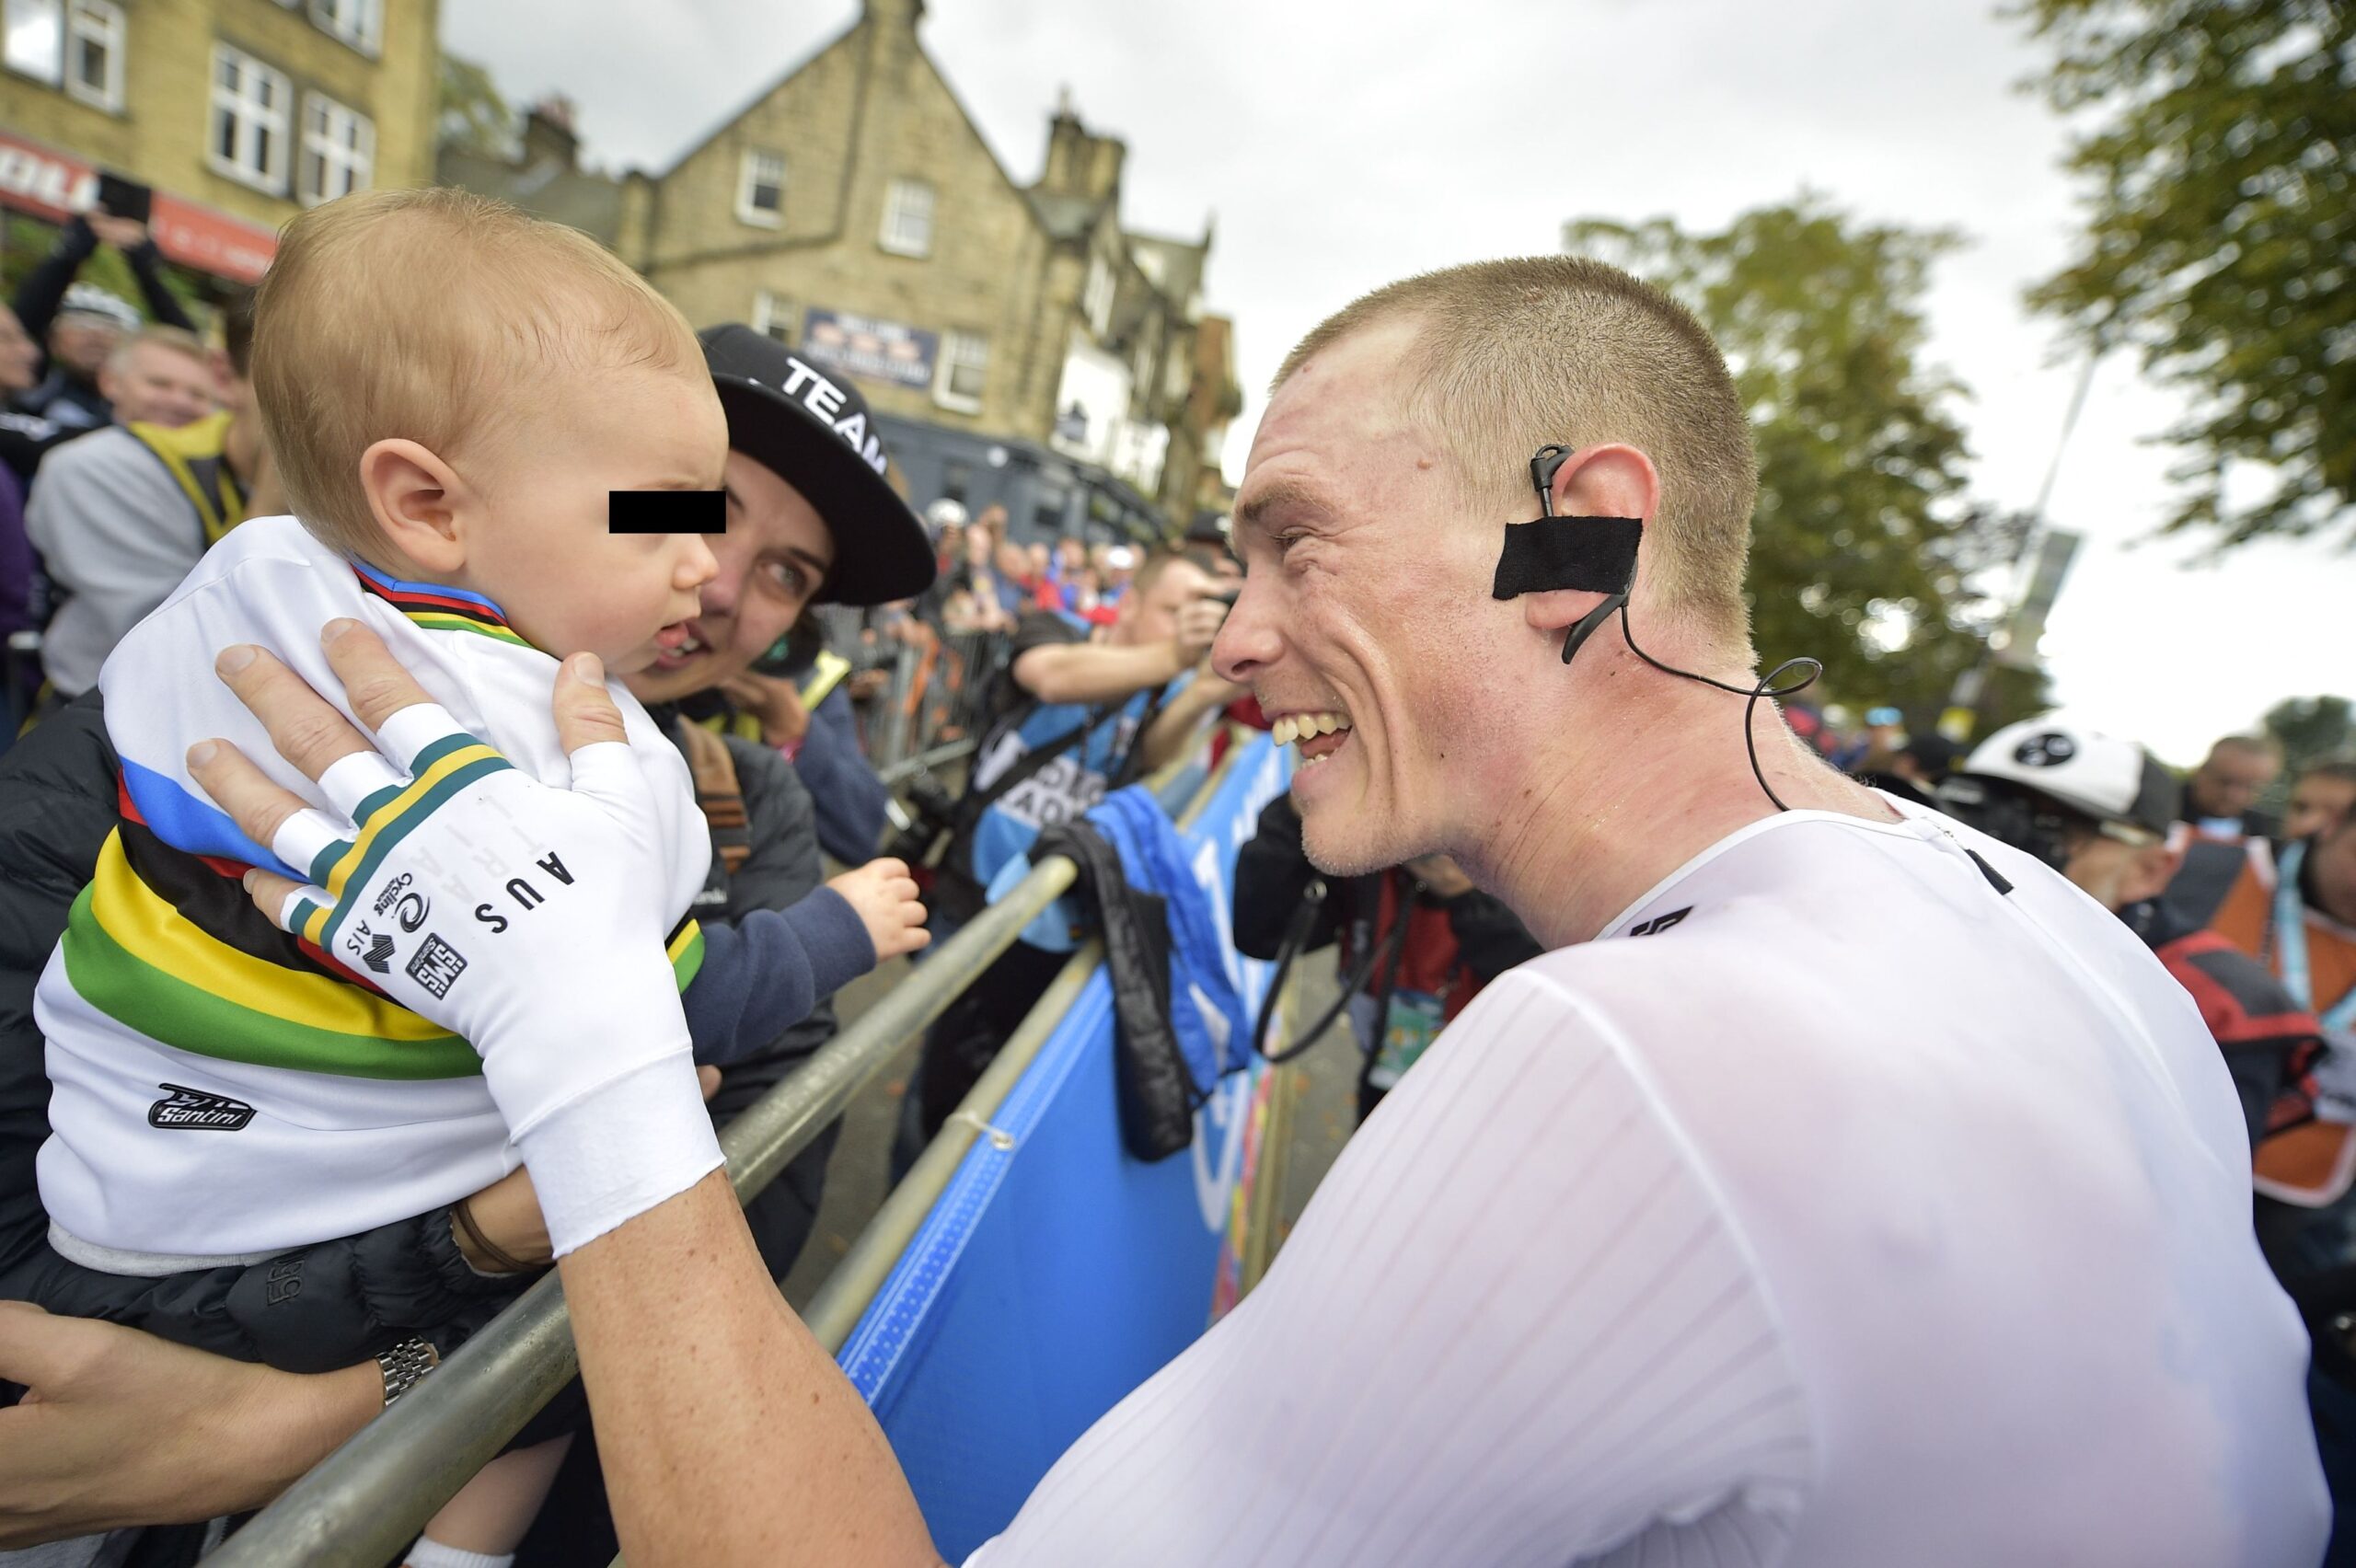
{"points": [[439, 608], [168, 946]]}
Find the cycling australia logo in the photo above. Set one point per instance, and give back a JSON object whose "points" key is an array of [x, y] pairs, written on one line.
{"points": [[192, 1110]]}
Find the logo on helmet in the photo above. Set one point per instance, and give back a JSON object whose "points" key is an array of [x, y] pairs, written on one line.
{"points": [[2048, 750]]}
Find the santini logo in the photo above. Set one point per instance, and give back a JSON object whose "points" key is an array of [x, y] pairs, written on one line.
{"points": [[1660, 923], [197, 1111]]}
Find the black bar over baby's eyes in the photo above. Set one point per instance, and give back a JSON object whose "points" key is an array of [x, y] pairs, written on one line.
{"points": [[667, 512]]}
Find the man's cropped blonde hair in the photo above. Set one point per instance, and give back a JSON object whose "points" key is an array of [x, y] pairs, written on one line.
{"points": [[1512, 355], [434, 316]]}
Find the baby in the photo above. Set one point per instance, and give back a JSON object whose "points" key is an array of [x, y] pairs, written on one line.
{"points": [[451, 393]]}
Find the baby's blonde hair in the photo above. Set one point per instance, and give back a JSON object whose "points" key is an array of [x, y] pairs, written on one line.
{"points": [[434, 316]]}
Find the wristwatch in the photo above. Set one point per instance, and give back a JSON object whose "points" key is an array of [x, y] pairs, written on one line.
{"points": [[403, 1365]]}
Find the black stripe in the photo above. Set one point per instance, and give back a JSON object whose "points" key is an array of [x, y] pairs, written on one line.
{"points": [[456, 607], [213, 903]]}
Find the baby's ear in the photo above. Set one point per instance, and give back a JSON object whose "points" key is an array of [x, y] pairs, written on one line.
{"points": [[413, 496]]}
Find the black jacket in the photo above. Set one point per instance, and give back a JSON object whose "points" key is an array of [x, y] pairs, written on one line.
{"points": [[339, 1302]]}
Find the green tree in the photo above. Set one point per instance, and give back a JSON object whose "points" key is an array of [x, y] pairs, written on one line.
{"points": [[475, 117], [2219, 152], [2310, 728], [1865, 554]]}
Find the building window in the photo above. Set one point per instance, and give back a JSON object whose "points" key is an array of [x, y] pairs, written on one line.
{"points": [[338, 150], [249, 113], [965, 366], [907, 218], [760, 189], [1097, 299], [35, 38], [359, 23], [773, 318], [94, 53]]}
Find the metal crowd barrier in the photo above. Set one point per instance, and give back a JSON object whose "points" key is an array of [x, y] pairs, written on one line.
{"points": [[935, 704], [365, 1503]]}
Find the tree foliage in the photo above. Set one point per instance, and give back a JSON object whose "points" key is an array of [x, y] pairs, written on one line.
{"points": [[2309, 728], [474, 115], [1864, 551], [2219, 152]]}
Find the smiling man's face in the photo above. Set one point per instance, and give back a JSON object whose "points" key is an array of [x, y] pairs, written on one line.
{"points": [[1366, 606]]}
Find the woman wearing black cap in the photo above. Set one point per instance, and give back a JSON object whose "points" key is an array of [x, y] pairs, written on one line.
{"points": [[809, 519]]}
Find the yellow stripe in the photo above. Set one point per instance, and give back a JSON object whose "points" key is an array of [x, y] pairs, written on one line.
{"points": [[391, 812], [159, 935], [443, 621]]}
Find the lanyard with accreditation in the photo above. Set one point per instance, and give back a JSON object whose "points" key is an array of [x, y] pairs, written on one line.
{"points": [[2290, 941]]}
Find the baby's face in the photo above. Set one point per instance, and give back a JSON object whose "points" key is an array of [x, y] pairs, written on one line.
{"points": [[544, 553]]}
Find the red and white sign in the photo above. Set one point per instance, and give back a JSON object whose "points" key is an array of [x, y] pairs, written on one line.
{"points": [[49, 184]]}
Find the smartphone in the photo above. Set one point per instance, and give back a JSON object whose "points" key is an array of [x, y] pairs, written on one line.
{"points": [[124, 197]]}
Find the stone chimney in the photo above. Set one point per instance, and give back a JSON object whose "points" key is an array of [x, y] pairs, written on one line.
{"points": [[1079, 163], [549, 133]]}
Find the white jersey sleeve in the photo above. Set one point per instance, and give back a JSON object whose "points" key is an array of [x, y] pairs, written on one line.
{"points": [[1516, 1326]]}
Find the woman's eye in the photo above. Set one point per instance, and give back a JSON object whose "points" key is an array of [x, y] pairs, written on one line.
{"points": [[786, 577]]}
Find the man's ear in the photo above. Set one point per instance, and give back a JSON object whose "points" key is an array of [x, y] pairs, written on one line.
{"points": [[1611, 479], [413, 495]]}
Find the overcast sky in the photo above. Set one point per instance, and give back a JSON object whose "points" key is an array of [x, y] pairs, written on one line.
{"points": [[1341, 147]]}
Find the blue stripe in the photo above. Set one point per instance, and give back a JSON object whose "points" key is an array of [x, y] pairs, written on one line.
{"points": [[194, 823], [394, 585]]}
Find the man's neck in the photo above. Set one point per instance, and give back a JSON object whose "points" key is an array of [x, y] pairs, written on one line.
{"points": [[1580, 843], [241, 449], [2332, 902]]}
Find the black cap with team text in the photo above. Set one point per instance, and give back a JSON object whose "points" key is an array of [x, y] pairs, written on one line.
{"points": [[811, 429]]}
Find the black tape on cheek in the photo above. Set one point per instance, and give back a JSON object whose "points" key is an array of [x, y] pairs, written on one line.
{"points": [[1595, 554]]}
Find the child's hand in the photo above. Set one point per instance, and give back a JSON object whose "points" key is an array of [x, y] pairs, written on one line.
{"points": [[885, 896]]}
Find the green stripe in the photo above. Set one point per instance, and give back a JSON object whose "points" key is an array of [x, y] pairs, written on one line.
{"points": [[175, 1012], [378, 802], [324, 862], [443, 620], [398, 828], [428, 757], [689, 963]]}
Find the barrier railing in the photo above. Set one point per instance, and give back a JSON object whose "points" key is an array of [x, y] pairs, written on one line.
{"points": [[936, 695], [835, 1309], [365, 1502]]}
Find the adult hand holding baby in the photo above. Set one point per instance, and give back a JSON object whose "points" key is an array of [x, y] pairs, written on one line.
{"points": [[566, 994]]}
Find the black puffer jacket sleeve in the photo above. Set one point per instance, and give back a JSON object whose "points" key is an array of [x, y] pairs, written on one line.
{"points": [[323, 1306]]}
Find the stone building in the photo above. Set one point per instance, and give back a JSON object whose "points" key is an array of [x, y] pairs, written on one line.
{"points": [[1018, 345], [240, 113]]}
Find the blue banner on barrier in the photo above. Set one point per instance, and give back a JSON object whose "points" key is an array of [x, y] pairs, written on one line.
{"points": [[1057, 1274]]}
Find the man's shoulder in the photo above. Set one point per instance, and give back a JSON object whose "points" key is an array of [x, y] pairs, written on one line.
{"points": [[98, 451]]}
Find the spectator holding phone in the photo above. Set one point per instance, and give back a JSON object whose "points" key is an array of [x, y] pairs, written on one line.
{"points": [[81, 325]]}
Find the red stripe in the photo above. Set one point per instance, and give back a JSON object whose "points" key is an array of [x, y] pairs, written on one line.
{"points": [[129, 809], [406, 599]]}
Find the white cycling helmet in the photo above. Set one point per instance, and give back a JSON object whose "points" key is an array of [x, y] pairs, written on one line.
{"points": [[2099, 775], [88, 299]]}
